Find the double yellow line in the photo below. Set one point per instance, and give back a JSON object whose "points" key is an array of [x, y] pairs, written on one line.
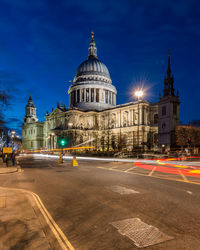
{"points": [[61, 238]]}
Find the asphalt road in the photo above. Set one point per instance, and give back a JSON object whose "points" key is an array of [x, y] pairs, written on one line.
{"points": [[85, 201]]}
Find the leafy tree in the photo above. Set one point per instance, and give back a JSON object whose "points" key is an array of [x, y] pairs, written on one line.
{"points": [[4, 98], [187, 136]]}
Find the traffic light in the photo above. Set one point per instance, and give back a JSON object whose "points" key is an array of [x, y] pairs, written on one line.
{"points": [[62, 142]]}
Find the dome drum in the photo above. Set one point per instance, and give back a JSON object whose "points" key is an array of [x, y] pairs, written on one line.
{"points": [[90, 97]]}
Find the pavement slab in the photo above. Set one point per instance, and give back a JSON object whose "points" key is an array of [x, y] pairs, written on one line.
{"points": [[20, 227]]}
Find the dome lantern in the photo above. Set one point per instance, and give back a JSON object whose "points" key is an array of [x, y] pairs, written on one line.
{"points": [[92, 49]]}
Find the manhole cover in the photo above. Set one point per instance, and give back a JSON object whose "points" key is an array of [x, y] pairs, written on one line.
{"points": [[122, 190], [142, 234]]}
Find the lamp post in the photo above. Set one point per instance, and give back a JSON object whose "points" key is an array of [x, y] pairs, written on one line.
{"points": [[138, 94]]}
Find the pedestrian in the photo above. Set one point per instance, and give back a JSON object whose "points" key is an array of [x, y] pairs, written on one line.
{"points": [[13, 158], [6, 160]]}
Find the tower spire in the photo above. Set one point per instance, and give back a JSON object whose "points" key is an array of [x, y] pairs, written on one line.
{"points": [[30, 115], [169, 65], [92, 48], [169, 80]]}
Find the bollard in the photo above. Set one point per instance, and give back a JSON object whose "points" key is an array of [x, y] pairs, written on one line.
{"points": [[74, 162], [60, 160]]}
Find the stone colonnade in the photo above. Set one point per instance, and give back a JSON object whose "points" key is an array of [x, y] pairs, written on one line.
{"points": [[92, 95]]}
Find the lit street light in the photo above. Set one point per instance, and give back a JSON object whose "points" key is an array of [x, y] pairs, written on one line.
{"points": [[138, 94]]}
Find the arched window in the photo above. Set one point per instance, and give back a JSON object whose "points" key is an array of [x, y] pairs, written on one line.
{"points": [[155, 138], [155, 119], [113, 142], [113, 120], [102, 142], [125, 119], [81, 139]]}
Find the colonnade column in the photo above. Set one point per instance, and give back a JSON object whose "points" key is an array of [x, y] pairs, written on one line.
{"points": [[94, 94], [84, 94]]}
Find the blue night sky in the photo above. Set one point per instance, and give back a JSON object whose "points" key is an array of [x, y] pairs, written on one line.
{"points": [[43, 42]]}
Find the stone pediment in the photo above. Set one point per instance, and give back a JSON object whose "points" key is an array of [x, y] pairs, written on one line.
{"points": [[56, 111]]}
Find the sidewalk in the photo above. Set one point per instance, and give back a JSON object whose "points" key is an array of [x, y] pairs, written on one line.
{"points": [[7, 170], [20, 227]]}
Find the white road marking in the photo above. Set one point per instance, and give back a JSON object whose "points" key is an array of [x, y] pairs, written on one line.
{"points": [[183, 176], [122, 190], [189, 192], [130, 169], [113, 167], [152, 171], [154, 176]]}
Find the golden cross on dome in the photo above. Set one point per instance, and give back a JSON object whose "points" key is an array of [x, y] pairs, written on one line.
{"points": [[92, 32]]}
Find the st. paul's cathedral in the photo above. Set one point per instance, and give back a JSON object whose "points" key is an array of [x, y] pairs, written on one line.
{"points": [[94, 119]]}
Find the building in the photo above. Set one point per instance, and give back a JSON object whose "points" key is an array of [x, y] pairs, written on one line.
{"points": [[93, 118], [168, 112]]}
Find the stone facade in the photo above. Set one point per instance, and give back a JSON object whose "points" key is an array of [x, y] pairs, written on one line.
{"points": [[110, 129]]}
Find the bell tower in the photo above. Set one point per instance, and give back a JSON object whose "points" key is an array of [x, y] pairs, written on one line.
{"points": [[30, 116], [168, 111]]}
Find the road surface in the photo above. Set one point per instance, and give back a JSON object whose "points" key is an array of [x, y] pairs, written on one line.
{"points": [[117, 205]]}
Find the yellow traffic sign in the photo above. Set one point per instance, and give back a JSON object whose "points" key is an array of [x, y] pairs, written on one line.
{"points": [[7, 150]]}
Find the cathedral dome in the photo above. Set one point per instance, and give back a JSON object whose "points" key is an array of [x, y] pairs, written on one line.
{"points": [[92, 87], [92, 69], [92, 66]]}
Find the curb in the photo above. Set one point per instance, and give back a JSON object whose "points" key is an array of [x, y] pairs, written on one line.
{"points": [[17, 169], [10, 172]]}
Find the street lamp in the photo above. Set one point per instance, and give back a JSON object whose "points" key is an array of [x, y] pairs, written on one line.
{"points": [[138, 94]]}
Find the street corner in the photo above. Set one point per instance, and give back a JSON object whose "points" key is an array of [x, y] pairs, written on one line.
{"points": [[20, 226], [19, 169], [27, 224], [9, 170]]}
